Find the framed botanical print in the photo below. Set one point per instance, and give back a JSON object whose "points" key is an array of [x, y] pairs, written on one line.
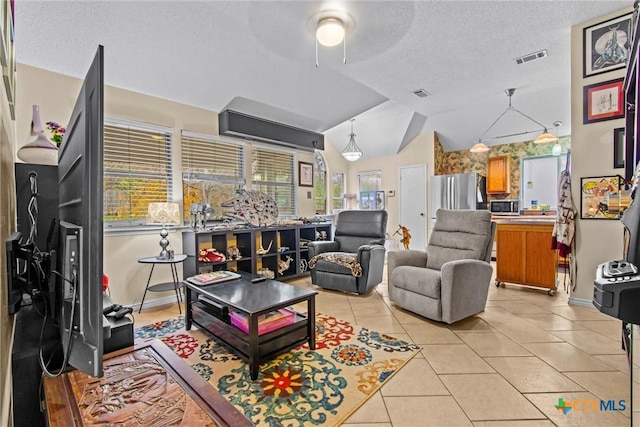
{"points": [[603, 101], [606, 45]]}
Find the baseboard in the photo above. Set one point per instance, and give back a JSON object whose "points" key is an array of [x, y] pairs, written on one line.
{"points": [[581, 302], [155, 302]]}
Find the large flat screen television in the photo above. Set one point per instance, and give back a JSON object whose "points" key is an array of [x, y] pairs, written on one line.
{"points": [[80, 188]]}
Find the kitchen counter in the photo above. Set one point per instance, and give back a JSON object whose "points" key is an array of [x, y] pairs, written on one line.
{"points": [[523, 219]]}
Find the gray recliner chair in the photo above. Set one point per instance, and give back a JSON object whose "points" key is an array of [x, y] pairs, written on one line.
{"points": [[450, 281], [359, 237]]}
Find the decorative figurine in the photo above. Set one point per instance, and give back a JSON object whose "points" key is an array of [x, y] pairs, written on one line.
{"points": [[256, 208], [262, 251], [211, 255], [233, 253], [265, 272], [406, 236], [283, 265]]}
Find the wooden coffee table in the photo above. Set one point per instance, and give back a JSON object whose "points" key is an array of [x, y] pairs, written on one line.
{"points": [[252, 300]]}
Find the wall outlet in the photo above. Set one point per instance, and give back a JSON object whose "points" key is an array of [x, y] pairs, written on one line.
{"points": [[308, 194], [391, 193]]}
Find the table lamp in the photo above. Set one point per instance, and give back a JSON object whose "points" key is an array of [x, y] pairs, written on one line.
{"points": [[164, 213]]}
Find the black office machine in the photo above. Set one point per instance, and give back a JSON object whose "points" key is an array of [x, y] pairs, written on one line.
{"points": [[616, 290]]}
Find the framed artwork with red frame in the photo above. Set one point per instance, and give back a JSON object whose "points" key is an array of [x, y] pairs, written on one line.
{"points": [[603, 101]]}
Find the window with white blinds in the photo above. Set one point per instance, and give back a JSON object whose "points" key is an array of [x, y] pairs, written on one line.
{"points": [[370, 180], [212, 171], [137, 170], [273, 174], [337, 190]]}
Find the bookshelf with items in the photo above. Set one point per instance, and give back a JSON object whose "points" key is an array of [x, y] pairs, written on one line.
{"points": [[217, 250], [279, 251]]}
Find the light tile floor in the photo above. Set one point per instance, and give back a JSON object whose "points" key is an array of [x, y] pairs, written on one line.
{"points": [[507, 366]]}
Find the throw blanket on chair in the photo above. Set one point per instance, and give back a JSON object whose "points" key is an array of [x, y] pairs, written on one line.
{"points": [[342, 258]]}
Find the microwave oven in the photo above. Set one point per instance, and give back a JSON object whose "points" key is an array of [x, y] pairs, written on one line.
{"points": [[504, 207]]}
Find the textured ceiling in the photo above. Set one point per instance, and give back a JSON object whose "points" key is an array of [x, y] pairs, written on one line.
{"points": [[259, 57]]}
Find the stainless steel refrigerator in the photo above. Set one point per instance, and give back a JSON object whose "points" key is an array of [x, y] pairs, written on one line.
{"points": [[458, 191]]}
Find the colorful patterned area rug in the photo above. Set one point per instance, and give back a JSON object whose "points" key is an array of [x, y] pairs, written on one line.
{"points": [[302, 387]]}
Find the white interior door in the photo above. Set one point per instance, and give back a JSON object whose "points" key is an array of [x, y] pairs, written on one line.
{"points": [[413, 204]]}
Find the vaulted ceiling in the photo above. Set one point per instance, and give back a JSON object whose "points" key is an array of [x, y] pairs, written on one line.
{"points": [[258, 57]]}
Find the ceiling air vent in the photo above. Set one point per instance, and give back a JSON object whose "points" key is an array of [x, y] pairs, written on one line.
{"points": [[532, 56], [421, 93]]}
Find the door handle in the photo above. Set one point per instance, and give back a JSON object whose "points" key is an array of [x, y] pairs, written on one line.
{"points": [[421, 213]]}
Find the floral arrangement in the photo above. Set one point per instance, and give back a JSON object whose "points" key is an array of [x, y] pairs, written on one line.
{"points": [[57, 132]]}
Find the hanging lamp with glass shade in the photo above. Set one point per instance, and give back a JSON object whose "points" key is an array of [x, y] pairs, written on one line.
{"points": [[39, 149], [479, 147], [557, 148], [352, 152]]}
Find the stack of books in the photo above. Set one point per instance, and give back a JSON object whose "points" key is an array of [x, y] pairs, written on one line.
{"points": [[266, 322], [212, 277]]}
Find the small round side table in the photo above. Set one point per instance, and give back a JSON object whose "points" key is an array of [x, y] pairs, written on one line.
{"points": [[167, 286]]}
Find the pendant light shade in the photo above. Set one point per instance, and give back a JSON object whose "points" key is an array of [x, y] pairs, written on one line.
{"points": [[479, 147], [557, 148], [352, 152], [39, 149], [545, 138]]}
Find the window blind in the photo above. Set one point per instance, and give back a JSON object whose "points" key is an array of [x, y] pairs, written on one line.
{"points": [[273, 174], [337, 190], [137, 170], [371, 180], [212, 171]]}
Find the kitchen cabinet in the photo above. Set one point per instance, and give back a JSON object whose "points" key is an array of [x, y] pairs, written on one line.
{"points": [[524, 255], [498, 175]]}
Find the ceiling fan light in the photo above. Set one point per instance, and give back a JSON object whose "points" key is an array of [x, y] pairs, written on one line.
{"points": [[479, 148], [330, 31], [545, 138]]}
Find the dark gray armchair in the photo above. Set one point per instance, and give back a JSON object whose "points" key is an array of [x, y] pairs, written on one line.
{"points": [[450, 281], [360, 237]]}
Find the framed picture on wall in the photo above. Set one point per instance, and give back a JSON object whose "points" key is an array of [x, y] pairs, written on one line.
{"points": [[594, 196], [305, 174], [603, 101], [606, 45], [618, 148]]}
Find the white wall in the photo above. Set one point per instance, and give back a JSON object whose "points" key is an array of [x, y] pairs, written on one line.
{"points": [[56, 94], [597, 241], [418, 152]]}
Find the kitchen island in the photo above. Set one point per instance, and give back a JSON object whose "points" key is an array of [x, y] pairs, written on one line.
{"points": [[523, 252]]}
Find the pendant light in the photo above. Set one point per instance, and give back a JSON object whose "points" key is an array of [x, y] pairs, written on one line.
{"points": [[544, 138], [352, 152], [557, 148], [480, 147]]}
